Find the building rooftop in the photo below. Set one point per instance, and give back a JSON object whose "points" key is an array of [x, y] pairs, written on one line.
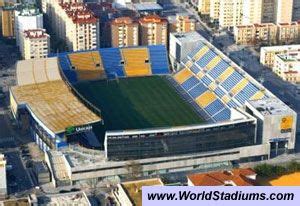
{"points": [[153, 19], [134, 189], [35, 34], [147, 6], [37, 71], [188, 37], [74, 198], [289, 58], [271, 106], [28, 10], [79, 13], [122, 20], [235, 177], [294, 47], [54, 105]]}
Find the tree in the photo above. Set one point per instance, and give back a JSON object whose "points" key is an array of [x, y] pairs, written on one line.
{"points": [[134, 169]]}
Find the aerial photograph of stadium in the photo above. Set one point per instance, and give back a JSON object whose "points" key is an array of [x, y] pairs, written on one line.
{"points": [[100, 99]]}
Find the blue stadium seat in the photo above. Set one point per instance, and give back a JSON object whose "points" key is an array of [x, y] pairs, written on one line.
{"points": [[208, 56], [190, 83], [197, 90], [65, 66], [219, 92], [214, 107], [223, 115], [218, 69], [232, 80], [159, 59], [206, 80], [195, 69], [194, 52], [111, 58], [231, 103], [246, 93]]}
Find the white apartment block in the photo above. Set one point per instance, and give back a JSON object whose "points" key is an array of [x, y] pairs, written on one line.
{"points": [[34, 44], [267, 54], [230, 13], [252, 12], [26, 18], [3, 183], [74, 23], [287, 67]]}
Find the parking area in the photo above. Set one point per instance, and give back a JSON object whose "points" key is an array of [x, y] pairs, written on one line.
{"points": [[18, 180]]}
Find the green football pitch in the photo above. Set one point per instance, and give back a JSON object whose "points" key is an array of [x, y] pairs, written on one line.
{"points": [[138, 103]]}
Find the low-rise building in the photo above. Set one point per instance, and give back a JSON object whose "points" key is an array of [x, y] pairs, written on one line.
{"points": [[267, 54], [267, 33], [181, 23], [235, 177], [124, 32], [130, 193], [73, 198], [34, 43], [287, 67], [255, 33], [3, 183]]}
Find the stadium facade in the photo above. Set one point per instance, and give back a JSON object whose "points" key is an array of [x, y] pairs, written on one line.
{"points": [[242, 121]]}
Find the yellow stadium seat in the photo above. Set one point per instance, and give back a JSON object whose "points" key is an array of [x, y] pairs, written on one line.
{"points": [[241, 85], [226, 74], [189, 64], [136, 62], [226, 99], [183, 75], [86, 60], [258, 95], [213, 62], [205, 99], [212, 86], [201, 53]]}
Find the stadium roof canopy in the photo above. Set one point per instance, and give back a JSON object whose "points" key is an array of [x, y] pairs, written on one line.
{"points": [[149, 6], [37, 71], [54, 105], [46, 95]]}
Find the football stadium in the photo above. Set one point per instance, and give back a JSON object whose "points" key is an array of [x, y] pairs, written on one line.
{"points": [[95, 112]]}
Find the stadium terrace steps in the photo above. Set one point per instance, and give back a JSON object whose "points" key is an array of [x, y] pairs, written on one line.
{"points": [[205, 99], [112, 62], [136, 62], [183, 75], [159, 59]]}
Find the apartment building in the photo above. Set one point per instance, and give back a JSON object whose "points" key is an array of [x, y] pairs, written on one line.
{"points": [[74, 23], [153, 30], [283, 11], [3, 182], [181, 23], [268, 10], [252, 12], [277, 11], [296, 10], [27, 17], [288, 33], [214, 11], [287, 67], [255, 34], [267, 54], [34, 43], [267, 33], [8, 21], [230, 13], [124, 32], [204, 6]]}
